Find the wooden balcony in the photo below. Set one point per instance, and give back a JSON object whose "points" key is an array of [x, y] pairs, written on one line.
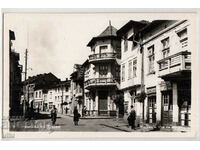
{"points": [[175, 65], [95, 82], [109, 56]]}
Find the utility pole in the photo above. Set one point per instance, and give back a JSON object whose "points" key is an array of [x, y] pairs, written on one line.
{"points": [[25, 77], [26, 57], [62, 87]]}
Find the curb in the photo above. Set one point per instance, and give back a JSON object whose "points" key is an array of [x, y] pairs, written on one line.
{"points": [[115, 127]]}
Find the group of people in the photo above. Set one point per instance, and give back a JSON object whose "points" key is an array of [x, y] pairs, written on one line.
{"points": [[54, 115], [131, 118]]}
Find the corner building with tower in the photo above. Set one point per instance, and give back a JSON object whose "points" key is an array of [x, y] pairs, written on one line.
{"points": [[102, 73]]}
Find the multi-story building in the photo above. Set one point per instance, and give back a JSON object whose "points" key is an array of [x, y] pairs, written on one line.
{"points": [[156, 60], [35, 90], [101, 75], [15, 79], [59, 95]]}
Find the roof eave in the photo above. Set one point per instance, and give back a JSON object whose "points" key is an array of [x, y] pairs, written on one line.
{"points": [[103, 37]]}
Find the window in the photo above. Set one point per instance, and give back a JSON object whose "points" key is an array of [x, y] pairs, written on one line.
{"points": [[103, 48], [130, 69], [40, 94], [165, 53], [151, 56], [117, 71], [50, 105], [183, 37], [134, 67], [36, 94], [165, 50], [66, 97], [125, 44], [55, 98], [165, 43], [103, 70], [50, 95], [123, 72]]}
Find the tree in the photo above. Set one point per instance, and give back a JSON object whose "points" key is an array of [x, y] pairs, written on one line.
{"points": [[119, 101]]}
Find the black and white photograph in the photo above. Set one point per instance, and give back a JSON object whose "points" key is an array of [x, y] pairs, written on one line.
{"points": [[99, 74]]}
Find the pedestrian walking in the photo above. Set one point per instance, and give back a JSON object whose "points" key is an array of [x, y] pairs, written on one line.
{"points": [[76, 116], [53, 115], [131, 118]]}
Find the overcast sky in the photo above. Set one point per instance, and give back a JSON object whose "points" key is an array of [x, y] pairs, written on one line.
{"points": [[56, 42]]}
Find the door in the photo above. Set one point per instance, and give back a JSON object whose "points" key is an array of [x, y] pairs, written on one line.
{"points": [[103, 105], [167, 108], [152, 109]]}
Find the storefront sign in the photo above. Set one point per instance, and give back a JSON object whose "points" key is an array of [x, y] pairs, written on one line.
{"points": [[165, 86], [151, 91]]}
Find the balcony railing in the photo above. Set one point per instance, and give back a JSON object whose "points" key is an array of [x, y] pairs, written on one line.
{"points": [[100, 81], [174, 63], [103, 56]]}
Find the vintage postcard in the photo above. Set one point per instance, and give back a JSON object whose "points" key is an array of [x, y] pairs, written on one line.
{"points": [[100, 75]]}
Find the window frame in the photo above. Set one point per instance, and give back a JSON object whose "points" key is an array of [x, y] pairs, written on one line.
{"points": [[123, 73], [151, 59]]}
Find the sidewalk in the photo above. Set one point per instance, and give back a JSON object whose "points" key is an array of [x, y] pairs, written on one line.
{"points": [[120, 124]]}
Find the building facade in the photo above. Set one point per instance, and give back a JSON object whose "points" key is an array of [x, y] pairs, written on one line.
{"points": [[156, 60], [101, 74], [35, 90], [59, 96], [15, 79]]}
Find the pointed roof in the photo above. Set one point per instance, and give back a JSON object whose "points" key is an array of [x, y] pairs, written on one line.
{"points": [[109, 33]]}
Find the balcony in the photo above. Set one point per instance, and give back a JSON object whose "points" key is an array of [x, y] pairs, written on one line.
{"points": [[103, 57], [100, 82], [175, 65]]}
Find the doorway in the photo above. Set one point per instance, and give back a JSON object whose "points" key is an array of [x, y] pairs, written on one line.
{"points": [[152, 109], [167, 108], [103, 106]]}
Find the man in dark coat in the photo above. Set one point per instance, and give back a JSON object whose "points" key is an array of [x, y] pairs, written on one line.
{"points": [[53, 115], [132, 118], [76, 116]]}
